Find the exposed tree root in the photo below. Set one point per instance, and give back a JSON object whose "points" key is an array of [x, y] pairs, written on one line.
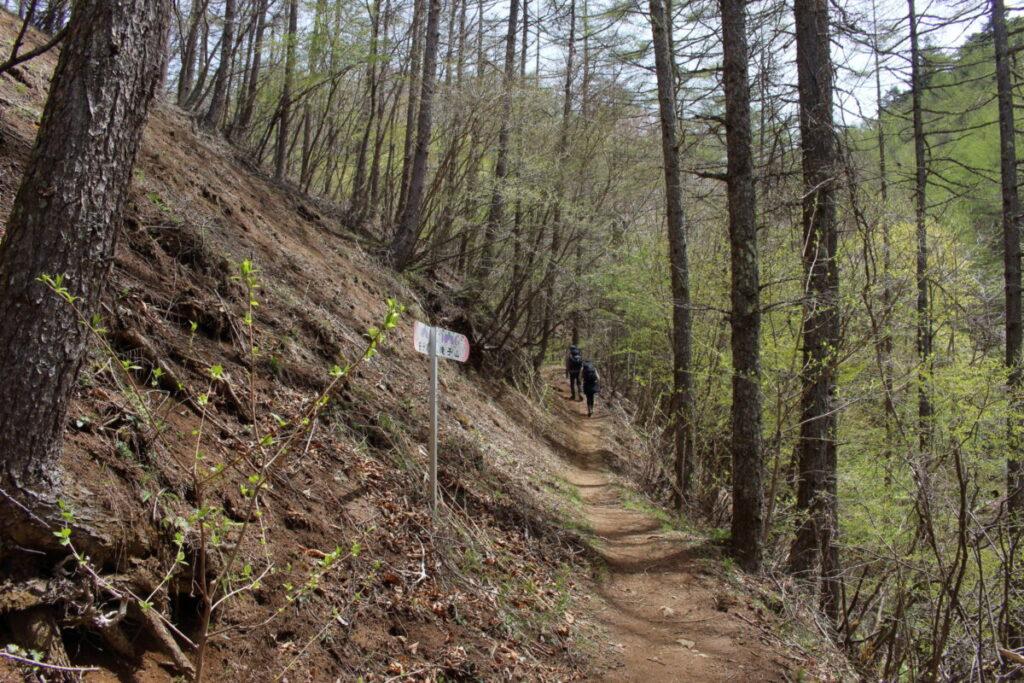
{"points": [[36, 629], [31, 610], [163, 638]]}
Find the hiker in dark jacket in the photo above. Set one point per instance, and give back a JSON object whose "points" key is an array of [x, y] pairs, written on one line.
{"points": [[573, 367], [590, 385]]}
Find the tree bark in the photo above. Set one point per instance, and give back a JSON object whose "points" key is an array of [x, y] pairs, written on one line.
{"points": [[1011, 614], [404, 243], [359, 201], [494, 213], [924, 326], [816, 491], [682, 379], [747, 466], [65, 222], [281, 152], [218, 102], [883, 344], [547, 302], [411, 107], [243, 120], [189, 58]]}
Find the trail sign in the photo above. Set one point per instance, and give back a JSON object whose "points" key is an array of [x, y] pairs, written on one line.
{"points": [[435, 342], [449, 344]]}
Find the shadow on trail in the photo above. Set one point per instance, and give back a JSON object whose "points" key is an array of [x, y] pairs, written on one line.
{"points": [[647, 526], [663, 564], [596, 460]]}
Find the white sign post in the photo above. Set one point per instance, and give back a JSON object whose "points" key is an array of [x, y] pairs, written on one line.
{"points": [[436, 342]]}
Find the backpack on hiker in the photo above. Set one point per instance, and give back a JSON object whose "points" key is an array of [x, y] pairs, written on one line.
{"points": [[575, 360], [590, 376]]}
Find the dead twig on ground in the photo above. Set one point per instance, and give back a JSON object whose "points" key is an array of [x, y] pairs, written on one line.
{"points": [[44, 665]]}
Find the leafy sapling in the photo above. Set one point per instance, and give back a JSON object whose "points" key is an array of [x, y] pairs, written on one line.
{"points": [[257, 452]]}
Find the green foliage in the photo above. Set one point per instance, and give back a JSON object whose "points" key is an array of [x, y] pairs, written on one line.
{"points": [[160, 203], [56, 284], [961, 127], [205, 528]]}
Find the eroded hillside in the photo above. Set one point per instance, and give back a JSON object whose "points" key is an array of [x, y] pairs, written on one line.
{"points": [[354, 578]]}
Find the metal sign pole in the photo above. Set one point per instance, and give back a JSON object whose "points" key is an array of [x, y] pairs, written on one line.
{"points": [[433, 420], [425, 339]]}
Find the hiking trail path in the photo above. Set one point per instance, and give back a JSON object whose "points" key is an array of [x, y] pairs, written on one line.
{"points": [[663, 603]]}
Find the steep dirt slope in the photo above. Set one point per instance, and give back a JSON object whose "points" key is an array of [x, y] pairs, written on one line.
{"points": [[481, 592]]}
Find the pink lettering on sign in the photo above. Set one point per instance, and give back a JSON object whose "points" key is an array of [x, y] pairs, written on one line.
{"points": [[448, 344]]}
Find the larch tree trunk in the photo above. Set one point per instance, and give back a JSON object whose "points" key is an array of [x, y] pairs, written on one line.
{"points": [[248, 99], [924, 326], [923, 339], [375, 203], [1012, 616], [497, 206], [525, 40], [883, 344], [547, 303], [360, 196], [747, 466], [65, 223], [411, 105], [460, 51], [816, 491], [199, 89], [404, 243], [586, 66], [190, 41], [681, 409], [218, 101], [292, 37], [514, 310]]}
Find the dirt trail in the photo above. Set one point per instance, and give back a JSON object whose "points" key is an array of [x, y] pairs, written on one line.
{"points": [[665, 607]]}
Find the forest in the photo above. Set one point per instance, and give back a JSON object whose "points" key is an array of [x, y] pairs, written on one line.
{"points": [[789, 234]]}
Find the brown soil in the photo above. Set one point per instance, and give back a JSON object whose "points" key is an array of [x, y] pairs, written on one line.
{"points": [[666, 607], [466, 597]]}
